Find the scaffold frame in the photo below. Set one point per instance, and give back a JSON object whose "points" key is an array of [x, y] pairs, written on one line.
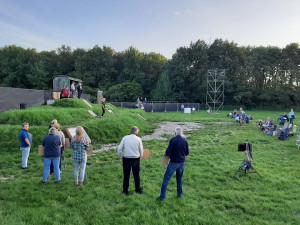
{"points": [[215, 90]]}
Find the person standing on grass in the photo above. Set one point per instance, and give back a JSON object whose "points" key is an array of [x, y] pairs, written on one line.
{"points": [[51, 143], [73, 89], [80, 145], [292, 116], [103, 107], [133, 150], [61, 136], [25, 144], [79, 89], [178, 149], [53, 122]]}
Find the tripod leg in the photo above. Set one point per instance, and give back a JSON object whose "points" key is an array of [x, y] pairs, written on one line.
{"points": [[237, 171], [256, 172]]}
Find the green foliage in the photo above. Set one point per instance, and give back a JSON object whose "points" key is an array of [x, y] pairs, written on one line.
{"points": [[255, 76], [125, 92], [163, 90]]}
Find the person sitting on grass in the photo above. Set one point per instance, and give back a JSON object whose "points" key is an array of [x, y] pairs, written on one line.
{"points": [[266, 124], [80, 145], [51, 143], [245, 118]]}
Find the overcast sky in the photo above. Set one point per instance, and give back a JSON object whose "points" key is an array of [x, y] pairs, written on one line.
{"points": [[159, 26]]}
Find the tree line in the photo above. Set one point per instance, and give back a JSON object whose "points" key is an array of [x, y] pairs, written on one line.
{"points": [[255, 76]]}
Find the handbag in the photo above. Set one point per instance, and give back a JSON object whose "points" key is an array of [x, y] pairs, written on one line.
{"points": [[165, 160]]}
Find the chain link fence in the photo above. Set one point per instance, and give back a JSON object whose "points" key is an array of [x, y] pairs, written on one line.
{"points": [[158, 107]]}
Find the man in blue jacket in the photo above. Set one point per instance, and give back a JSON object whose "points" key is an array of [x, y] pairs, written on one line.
{"points": [[25, 144], [177, 150]]}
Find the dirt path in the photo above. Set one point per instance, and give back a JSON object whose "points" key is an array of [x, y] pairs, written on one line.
{"points": [[165, 128]]}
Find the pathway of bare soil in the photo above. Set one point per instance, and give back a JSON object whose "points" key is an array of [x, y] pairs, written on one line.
{"points": [[165, 128]]}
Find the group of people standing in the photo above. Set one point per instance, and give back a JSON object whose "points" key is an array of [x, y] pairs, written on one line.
{"points": [[54, 144], [131, 150], [73, 89]]}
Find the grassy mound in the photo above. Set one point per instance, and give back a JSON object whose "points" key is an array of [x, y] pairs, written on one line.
{"points": [[70, 103], [110, 128]]}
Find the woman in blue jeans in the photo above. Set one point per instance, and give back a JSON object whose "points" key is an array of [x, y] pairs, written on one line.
{"points": [[80, 145], [51, 143]]}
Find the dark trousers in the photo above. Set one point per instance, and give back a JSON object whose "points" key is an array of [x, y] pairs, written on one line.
{"points": [[133, 163], [103, 111]]}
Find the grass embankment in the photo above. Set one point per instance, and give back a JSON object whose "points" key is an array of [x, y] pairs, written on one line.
{"points": [[211, 194]]}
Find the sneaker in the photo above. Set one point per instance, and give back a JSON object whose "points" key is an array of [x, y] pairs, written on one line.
{"points": [[160, 199], [25, 168], [179, 196], [43, 182], [58, 181]]}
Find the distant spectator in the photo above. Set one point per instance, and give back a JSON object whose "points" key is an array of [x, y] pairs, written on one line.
{"points": [[292, 116], [51, 143], [182, 108], [80, 145], [142, 106], [208, 110], [103, 106], [79, 89], [62, 141], [145, 100], [25, 144], [73, 89], [138, 103]]}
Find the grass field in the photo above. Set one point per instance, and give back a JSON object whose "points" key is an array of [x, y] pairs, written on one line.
{"points": [[211, 194]]}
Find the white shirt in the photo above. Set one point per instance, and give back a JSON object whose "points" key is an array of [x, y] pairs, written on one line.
{"points": [[132, 145], [73, 87]]}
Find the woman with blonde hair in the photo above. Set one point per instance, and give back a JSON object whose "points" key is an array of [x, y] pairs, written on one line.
{"points": [[80, 145]]}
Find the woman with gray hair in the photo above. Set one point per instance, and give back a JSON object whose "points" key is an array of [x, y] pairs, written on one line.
{"points": [[51, 143]]}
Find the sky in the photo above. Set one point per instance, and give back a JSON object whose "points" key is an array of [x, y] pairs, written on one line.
{"points": [[159, 26]]}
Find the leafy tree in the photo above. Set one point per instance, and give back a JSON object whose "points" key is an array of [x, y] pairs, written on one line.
{"points": [[163, 88], [125, 92]]}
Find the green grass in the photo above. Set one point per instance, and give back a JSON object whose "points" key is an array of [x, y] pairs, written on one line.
{"points": [[211, 194]]}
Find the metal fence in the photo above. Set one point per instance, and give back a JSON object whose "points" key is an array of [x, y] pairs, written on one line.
{"points": [[158, 107]]}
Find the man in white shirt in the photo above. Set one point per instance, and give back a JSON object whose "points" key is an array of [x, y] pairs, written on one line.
{"points": [[73, 89], [133, 150]]}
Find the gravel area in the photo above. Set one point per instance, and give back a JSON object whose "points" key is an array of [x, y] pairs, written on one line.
{"points": [[165, 128]]}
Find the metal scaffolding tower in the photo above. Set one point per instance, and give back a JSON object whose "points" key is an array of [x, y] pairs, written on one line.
{"points": [[215, 90]]}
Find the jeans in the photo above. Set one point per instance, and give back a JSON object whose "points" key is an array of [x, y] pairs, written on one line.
{"points": [[82, 166], [47, 162], [25, 154], [134, 164], [292, 119], [172, 167], [61, 154]]}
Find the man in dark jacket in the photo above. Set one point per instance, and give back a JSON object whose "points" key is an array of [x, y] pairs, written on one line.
{"points": [[51, 143], [177, 150]]}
